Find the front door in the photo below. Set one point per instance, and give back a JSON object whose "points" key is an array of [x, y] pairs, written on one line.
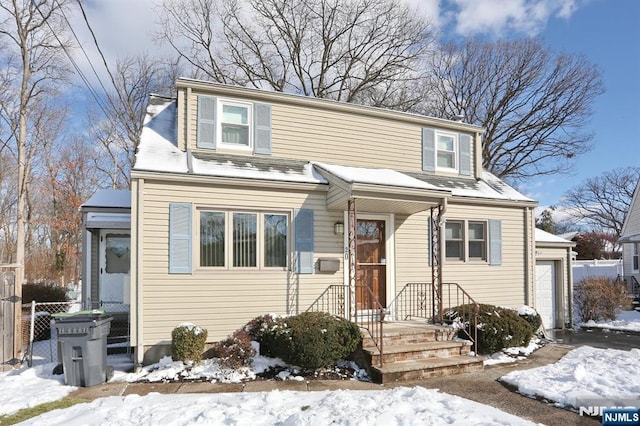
{"points": [[372, 264], [115, 260]]}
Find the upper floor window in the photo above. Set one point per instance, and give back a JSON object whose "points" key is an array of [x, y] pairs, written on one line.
{"points": [[235, 128], [233, 124], [446, 151]]}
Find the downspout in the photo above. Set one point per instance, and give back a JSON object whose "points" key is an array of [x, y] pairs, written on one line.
{"points": [[569, 321], [527, 257], [139, 351]]}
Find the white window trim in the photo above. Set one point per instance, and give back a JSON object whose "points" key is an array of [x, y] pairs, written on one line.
{"points": [[228, 236], [456, 151], [466, 240], [635, 254], [220, 106]]}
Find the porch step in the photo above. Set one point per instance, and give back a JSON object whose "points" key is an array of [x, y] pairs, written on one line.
{"points": [[417, 351], [405, 333], [425, 368]]}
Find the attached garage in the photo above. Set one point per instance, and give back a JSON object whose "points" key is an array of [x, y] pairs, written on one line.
{"points": [[553, 290]]}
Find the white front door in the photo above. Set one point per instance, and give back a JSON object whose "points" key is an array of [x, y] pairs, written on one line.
{"points": [[546, 292], [115, 263]]}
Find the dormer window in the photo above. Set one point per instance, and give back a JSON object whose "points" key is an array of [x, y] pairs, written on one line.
{"points": [[235, 129], [446, 151], [233, 125]]}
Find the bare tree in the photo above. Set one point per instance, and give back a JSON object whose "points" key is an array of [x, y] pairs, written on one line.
{"points": [[368, 52], [30, 30], [532, 102], [603, 201], [119, 132]]}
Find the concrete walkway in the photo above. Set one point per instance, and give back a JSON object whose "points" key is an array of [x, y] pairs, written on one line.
{"points": [[481, 386]]}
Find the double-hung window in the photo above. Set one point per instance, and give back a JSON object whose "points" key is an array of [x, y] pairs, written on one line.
{"points": [[235, 124], [446, 151], [454, 240], [636, 255], [243, 239], [477, 240], [466, 240]]}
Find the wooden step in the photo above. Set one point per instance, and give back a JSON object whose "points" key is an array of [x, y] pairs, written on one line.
{"points": [[425, 368], [417, 351]]}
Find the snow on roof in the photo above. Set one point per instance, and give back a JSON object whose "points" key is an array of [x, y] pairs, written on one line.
{"points": [[156, 151], [115, 198], [546, 237], [374, 176], [251, 168], [488, 187]]}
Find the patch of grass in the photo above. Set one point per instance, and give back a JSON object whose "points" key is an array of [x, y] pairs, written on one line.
{"points": [[27, 413], [305, 407]]}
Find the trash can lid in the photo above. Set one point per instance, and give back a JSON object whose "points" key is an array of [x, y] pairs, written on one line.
{"points": [[91, 314]]}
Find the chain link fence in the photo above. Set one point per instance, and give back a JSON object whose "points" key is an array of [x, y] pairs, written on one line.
{"points": [[39, 337]]}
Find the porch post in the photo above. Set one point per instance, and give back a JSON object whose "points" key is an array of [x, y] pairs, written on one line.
{"points": [[353, 236], [436, 218]]}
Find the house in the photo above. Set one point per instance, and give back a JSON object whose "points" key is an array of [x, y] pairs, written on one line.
{"points": [[245, 202], [630, 240]]}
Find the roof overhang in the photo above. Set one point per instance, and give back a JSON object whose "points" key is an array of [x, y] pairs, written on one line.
{"points": [[380, 198], [96, 220], [634, 238]]}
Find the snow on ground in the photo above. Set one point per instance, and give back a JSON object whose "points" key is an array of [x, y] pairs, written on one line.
{"points": [[583, 374], [388, 407], [625, 321], [28, 387], [518, 353]]}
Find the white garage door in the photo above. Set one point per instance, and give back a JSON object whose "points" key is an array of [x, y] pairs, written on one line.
{"points": [[545, 292]]}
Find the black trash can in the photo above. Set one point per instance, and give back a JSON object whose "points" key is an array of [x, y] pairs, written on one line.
{"points": [[82, 347]]}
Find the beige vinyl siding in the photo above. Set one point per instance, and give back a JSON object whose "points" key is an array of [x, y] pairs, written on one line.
{"points": [[504, 284], [495, 284], [317, 134], [224, 300]]}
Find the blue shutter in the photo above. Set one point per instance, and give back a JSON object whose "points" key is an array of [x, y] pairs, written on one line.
{"points": [[428, 149], [464, 142], [495, 242], [262, 128], [179, 238], [206, 136], [304, 241]]}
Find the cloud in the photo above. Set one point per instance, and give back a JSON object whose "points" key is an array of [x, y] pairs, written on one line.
{"points": [[498, 17]]}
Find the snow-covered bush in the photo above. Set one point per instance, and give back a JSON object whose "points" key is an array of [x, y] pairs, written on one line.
{"points": [[498, 327], [187, 342], [597, 298], [531, 316]]}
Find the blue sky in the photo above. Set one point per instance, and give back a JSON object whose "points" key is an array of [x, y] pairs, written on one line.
{"points": [[608, 34], [605, 31]]}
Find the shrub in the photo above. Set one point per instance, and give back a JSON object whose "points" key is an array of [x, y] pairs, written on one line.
{"points": [[498, 327], [597, 298], [235, 351], [531, 316], [43, 293], [309, 340], [187, 342]]}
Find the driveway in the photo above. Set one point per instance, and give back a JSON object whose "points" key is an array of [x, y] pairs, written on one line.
{"points": [[599, 339]]}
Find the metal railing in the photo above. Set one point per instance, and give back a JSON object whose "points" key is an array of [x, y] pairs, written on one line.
{"points": [[465, 318], [370, 315], [331, 301], [415, 300], [633, 286]]}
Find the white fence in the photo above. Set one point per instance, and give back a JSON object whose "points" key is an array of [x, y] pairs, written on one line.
{"points": [[596, 268]]}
